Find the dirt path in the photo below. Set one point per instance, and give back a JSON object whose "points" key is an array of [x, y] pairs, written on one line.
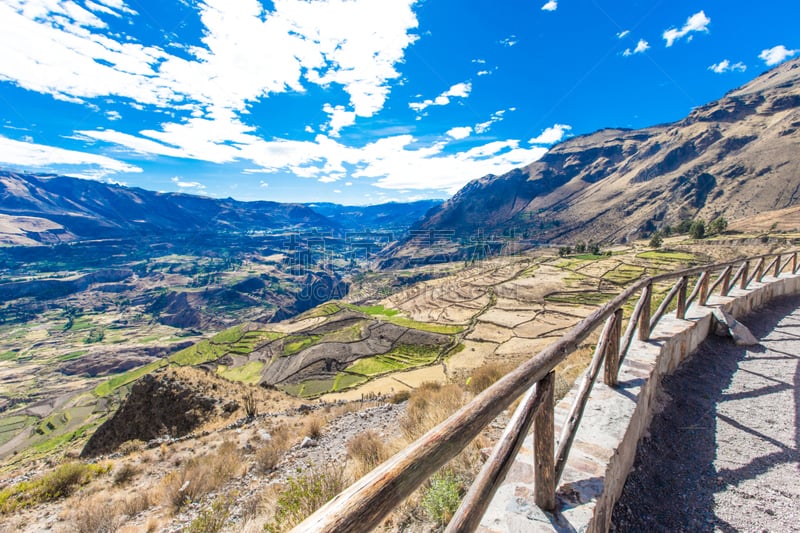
{"points": [[724, 453]]}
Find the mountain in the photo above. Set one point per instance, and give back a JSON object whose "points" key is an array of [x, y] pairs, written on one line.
{"points": [[736, 157], [38, 209], [389, 216]]}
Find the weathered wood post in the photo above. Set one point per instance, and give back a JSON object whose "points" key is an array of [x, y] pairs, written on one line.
{"points": [[745, 275], [644, 318], [777, 271], [680, 311], [726, 281], [704, 288], [760, 270], [794, 263], [544, 447]]}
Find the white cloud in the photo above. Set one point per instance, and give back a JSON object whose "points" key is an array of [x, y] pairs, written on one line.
{"points": [[551, 135], [696, 23], [509, 41], [29, 155], [479, 61], [340, 118], [641, 47], [263, 184], [113, 115], [552, 5], [483, 73], [56, 48], [459, 90], [497, 116], [623, 34], [726, 66], [461, 132], [187, 184], [337, 191], [777, 54]]}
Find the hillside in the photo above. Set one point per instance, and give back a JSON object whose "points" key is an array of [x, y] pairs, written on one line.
{"points": [[388, 216], [736, 157], [51, 209]]}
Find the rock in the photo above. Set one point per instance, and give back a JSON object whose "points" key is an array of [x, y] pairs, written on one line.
{"points": [[308, 442], [741, 335]]}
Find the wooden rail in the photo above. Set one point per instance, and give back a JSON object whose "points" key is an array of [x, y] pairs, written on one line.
{"points": [[369, 500]]}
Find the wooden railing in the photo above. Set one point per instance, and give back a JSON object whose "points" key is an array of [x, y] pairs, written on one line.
{"points": [[369, 500]]}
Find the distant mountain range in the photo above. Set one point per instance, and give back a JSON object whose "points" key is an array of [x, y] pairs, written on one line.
{"points": [[736, 157], [47, 209]]}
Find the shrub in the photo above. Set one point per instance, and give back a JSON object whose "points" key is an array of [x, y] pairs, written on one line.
{"points": [[250, 405], [429, 404], [125, 473], [717, 226], [305, 494], [270, 453], [314, 426], [442, 498], [400, 397], [367, 450], [201, 475], [482, 378], [213, 518], [96, 515], [59, 483], [697, 229], [656, 240]]}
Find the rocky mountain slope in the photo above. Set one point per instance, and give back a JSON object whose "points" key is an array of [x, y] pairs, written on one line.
{"points": [[735, 157], [50, 209]]}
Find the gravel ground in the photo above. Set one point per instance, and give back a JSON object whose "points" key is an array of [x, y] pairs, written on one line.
{"points": [[723, 454]]}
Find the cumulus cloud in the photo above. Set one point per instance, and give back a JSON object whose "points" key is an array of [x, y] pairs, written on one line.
{"points": [[726, 66], [459, 90], [340, 118], [461, 132], [187, 184], [641, 47], [777, 54], [696, 23], [60, 49], [552, 5], [551, 135]]}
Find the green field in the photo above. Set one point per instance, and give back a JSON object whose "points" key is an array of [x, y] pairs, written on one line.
{"points": [[580, 298], [249, 373], [297, 343], [666, 255], [624, 274]]}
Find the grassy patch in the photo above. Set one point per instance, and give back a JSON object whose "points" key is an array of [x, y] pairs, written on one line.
{"points": [[249, 373], [65, 438], [297, 343], [374, 310], [373, 366], [54, 485], [326, 309], [350, 334], [666, 255], [425, 326], [80, 324], [11, 426], [72, 355], [624, 274], [107, 387], [344, 380], [10, 355]]}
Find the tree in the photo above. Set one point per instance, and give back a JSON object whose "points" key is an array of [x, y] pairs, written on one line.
{"points": [[564, 251], [580, 248], [684, 226], [697, 229], [656, 240], [717, 226], [594, 248]]}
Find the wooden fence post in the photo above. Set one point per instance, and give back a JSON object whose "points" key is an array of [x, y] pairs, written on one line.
{"points": [[544, 446], [760, 270], [680, 311], [644, 318], [726, 282], [777, 271], [794, 263], [704, 289], [745, 275]]}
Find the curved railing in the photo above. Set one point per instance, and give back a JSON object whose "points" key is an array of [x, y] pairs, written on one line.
{"points": [[370, 499]]}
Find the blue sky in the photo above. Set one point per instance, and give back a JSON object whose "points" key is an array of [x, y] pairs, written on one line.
{"points": [[354, 101]]}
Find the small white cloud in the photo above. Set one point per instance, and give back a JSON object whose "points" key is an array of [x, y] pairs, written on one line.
{"points": [[479, 61], [641, 47], [348, 184], [551, 135], [461, 132], [113, 115], [509, 41], [309, 129], [497, 116], [726, 66], [459, 90], [483, 73], [263, 184], [777, 54], [696, 23], [337, 191], [187, 184], [623, 34], [552, 5]]}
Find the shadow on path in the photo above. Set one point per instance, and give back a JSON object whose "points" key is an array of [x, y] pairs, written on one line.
{"points": [[674, 480]]}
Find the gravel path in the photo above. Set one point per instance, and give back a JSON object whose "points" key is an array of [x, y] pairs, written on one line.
{"points": [[723, 454]]}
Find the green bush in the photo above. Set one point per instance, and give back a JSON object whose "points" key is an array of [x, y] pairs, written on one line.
{"points": [[442, 498], [305, 494], [212, 519], [54, 485]]}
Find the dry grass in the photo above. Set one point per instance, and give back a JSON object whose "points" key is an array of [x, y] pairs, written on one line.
{"points": [[96, 514], [125, 473], [428, 405], [313, 426], [367, 450], [269, 454], [304, 494], [136, 503], [484, 377], [200, 475]]}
